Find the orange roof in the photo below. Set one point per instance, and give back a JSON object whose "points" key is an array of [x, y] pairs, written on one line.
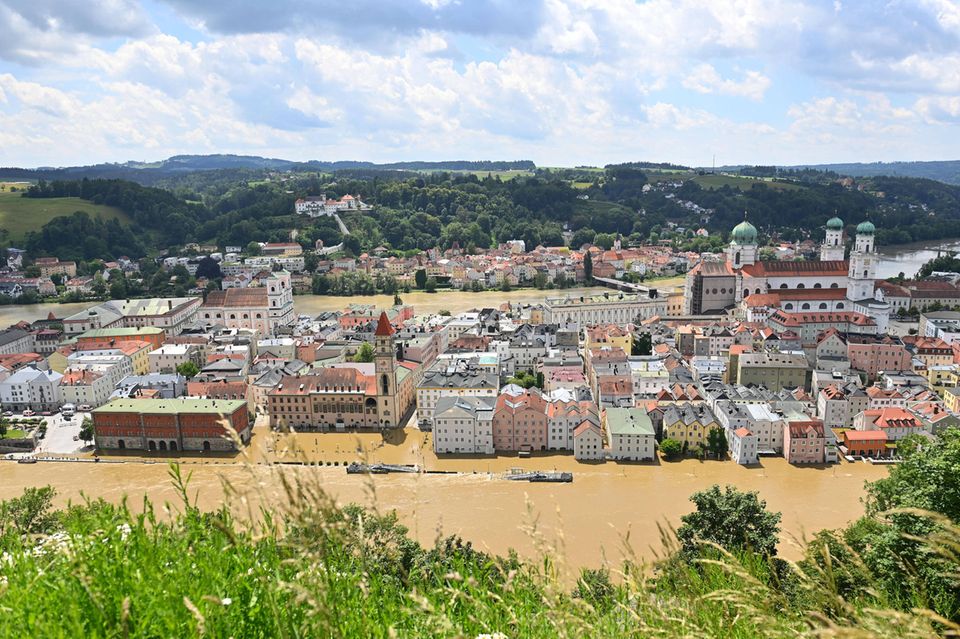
{"points": [[836, 268], [864, 435]]}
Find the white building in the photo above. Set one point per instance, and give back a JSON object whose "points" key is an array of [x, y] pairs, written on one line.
{"points": [[743, 446], [631, 433], [609, 308], [454, 378], [588, 442], [168, 357], [464, 424], [30, 388]]}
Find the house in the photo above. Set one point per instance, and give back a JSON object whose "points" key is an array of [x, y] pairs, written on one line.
{"points": [[463, 424], [689, 424], [743, 446], [31, 388], [520, 422], [631, 434], [866, 443], [588, 442], [804, 440], [896, 422]]}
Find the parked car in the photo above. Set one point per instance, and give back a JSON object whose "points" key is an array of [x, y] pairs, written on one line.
{"points": [[46, 413], [28, 413], [84, 408], [8, 413]]}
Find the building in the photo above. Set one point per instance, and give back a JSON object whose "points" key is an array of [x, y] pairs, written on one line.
{"points": [[564, 417], [16, 340], [464, 424], [262, 308], [743, 446], [588, 442], [151, 334], [520, 422], [866, 443], [896, 422], [615, 308], [348, 395], [169, 357], [89, 387], [773, 370], [631, 434], [689, 424], [451, 378], [169, 314], [31, 389], [171, 424], [714, 286], [804, 441]]}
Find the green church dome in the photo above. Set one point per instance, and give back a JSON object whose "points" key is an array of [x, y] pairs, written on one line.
{"points": [[835, 224], [866, 228], [744, 233]]}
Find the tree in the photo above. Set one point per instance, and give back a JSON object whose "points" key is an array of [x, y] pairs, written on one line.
{"points": [[540, 280], [86, 430], [188, 369], [671, 448], [732, 519], [351, 244], [209, 268], [3, 427], [310, 261], [430, 286], [588, 267], [717, 443], [604, 241], [364, 354], [420, 278], [397, 301], [642, 345], [253, 248]]}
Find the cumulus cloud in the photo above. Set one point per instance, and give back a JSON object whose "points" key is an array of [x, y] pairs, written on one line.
{"points": [[704, 78]]}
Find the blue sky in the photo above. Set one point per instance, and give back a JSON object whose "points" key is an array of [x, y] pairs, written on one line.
{"points": [[561, 82]]}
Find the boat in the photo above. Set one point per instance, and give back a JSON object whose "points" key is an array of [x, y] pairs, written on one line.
{"points": [[538, 476], [27, 460], [356, 468]]}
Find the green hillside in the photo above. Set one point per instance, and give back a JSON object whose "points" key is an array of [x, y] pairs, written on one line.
{"points": [[18, 215]]}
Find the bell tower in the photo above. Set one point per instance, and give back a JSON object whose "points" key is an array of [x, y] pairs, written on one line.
{"points": [[862, 274], [385, 367]]}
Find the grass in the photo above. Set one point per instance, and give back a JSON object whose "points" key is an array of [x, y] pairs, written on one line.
{"points": [[716, 181], [15, 433], [307, 568], [19, 215]]}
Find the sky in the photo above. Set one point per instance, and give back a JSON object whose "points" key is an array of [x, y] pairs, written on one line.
{"points": [[559, 82]]}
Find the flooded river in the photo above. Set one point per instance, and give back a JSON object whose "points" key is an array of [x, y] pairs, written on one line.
{"points": [[607, 508], [908, 258]]}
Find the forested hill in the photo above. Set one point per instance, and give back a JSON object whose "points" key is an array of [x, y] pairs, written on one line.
{"points": [[417, 211], [149, 173], [947, 171]]}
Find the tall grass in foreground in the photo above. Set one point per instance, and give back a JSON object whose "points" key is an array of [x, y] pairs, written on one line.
{"points": [[305, 568]]}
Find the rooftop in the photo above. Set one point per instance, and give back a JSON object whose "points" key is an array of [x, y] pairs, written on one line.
{"points": [[172, 406]]}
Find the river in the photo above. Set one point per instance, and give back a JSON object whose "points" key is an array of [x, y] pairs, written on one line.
{"points": [[607, 509], [908, 258]]}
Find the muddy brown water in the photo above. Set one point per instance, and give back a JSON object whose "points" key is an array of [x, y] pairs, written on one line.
{"points": [[606, 509]]}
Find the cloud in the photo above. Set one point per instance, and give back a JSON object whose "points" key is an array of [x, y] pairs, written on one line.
{"points": [[705, 79]]}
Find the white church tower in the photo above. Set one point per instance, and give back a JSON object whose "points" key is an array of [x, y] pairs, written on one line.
{"points": [[743, 244], [832, 248], [863, 264]]}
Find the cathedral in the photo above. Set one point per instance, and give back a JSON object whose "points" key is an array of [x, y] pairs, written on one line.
{"points": [[832, 283]]}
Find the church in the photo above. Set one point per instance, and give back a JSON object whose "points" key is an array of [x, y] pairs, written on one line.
{"points": [[832, 283]]}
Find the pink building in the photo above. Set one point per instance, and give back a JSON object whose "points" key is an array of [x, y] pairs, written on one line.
{"points": [[804, 441], [872, 354], [520, 422]]}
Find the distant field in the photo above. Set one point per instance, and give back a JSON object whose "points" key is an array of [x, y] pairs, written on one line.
{"points": [[716, 181], [595, 206], [18, 215]]}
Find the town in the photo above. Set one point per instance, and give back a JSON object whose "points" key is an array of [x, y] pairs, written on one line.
{"points": [[816, 360]]}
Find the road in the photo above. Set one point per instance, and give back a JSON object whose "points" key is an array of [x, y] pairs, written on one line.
{"points": [[61, 433]]}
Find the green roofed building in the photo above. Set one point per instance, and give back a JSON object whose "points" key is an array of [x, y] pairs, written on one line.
{"points": [[630, 433], [183, 424]]}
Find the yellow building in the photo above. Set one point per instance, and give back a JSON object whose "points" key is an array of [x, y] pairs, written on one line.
{"points": [[941, 377], [951, 397], [609, 335], [689, 424]]}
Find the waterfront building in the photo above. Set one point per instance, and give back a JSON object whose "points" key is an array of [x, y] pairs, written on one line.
{"points": [[743, 445], [588, 442], [520, 422], [463, 424], [690, 424], [631, 434], [171, 424], [804, 440], [450, 378], [169, 314]]}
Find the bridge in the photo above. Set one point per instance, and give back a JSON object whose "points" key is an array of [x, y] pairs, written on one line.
{"points": [[627, 286]]}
